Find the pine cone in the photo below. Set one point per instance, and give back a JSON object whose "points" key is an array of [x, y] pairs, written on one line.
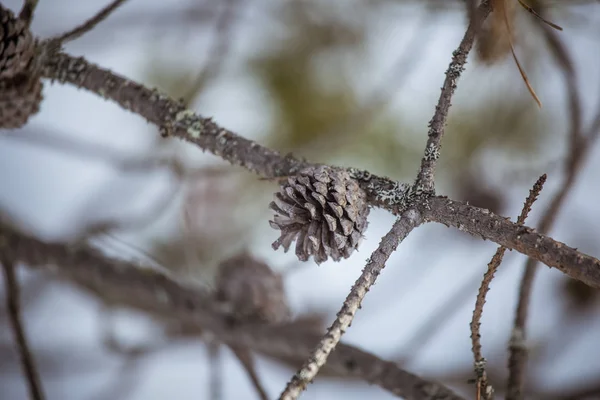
{"points": [[20, 98], [252, 289], [324, 210], [17, 47]]}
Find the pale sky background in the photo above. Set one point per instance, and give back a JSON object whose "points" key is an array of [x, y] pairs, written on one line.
{"points": [[50, 192]]}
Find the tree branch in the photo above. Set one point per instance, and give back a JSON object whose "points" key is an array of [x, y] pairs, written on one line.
{"points": [[89, 24], [122, 283], [437, 125], [579, 144], [26, 13], [402, 227], [14, 312], [525, 240], [174, 119], [484, 389]]}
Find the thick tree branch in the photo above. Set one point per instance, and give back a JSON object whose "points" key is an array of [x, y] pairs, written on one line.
{"points": [[172, 117], [160, 295], [437, 125], [402, 227]]}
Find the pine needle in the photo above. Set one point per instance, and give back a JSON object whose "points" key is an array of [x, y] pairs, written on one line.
{"points": [[537, 15], [512, 49]]}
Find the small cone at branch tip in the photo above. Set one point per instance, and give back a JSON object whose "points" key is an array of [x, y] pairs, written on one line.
{"points": [[253, 290], [20, 91], [324, 210]]}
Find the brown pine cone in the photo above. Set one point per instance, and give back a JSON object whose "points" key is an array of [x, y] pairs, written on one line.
{"points": [[17, 47], [254, 291], [324, 210], [20, 98]]}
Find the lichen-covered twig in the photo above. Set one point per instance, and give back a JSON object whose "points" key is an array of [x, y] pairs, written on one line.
{"points": [[14, 313], [437, 125], [484, 389], [402, 227], [130, 285]]}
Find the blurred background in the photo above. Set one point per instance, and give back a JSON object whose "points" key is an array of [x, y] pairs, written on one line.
{"points": [[347, 82]]}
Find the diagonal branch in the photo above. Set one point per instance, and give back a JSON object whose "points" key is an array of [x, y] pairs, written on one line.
{"points": [[437, 125], [26, 13], [522, 238], [402, 227], [13, 304], [148, 290], [245, 358], [171, 116], [88, 25]]}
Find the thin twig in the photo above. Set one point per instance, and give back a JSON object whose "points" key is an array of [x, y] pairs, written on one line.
{"points": [[578, 149], [217, 54], [437, 125], [26, 14], [12, 303], [402, 227], [564, 60], [484, 389], [88, 25], [129, 284], [247, 361]]}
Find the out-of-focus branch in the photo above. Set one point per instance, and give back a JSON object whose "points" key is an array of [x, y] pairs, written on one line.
{"points": [[402, 227], [578, 149], [158, 294], [219, 49], [14, 314], [437, 125], [26, 13], [89, 24], [245, 358]]}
